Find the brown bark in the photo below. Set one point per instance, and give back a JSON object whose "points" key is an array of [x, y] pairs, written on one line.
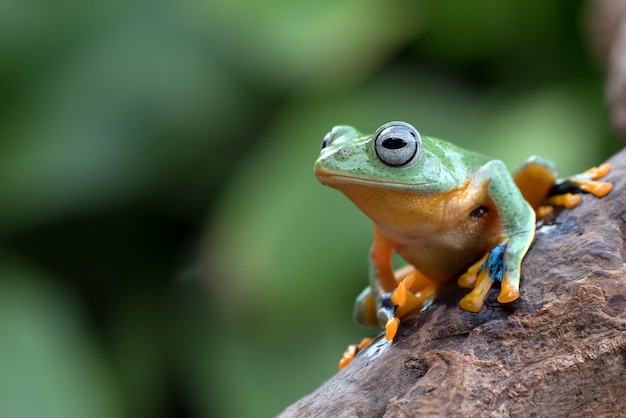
{"points": [[559, 351], [606, 33]]}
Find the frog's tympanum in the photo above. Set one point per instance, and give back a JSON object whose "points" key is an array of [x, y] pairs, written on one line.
{"points": [[448, 212]]}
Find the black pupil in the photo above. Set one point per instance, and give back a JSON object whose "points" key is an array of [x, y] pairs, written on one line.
{"points": [[394, 143]]}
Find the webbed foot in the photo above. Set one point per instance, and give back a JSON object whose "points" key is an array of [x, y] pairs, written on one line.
{"points": [[352, 351], [405, 301], [566, 192], [481, 277], [387, 313]]}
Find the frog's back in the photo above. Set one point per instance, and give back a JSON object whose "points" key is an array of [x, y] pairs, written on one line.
{"points": [[455, 158], [445, 166]]}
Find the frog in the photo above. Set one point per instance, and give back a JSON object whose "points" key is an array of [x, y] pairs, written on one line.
{"points": [[450, 213]]}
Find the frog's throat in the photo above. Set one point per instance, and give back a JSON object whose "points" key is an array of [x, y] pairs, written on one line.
{"points": [[331, 179]]}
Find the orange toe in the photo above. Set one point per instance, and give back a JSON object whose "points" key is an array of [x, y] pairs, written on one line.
{"points": [[348, 356], [598, 172], [472, 303], [391, 328], [597, 188], [352, 351], [543, 211], [398, 297], [364, 343], [569, 200], [467, 280], [508, 295]]}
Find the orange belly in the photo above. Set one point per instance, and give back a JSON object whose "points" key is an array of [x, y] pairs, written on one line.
{"points": [[438, 233]]}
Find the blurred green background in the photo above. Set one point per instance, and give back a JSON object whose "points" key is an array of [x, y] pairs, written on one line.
{"points": [[165, 249]]}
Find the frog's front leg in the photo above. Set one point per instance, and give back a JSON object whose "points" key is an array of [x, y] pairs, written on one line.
{"points": [[517, 229]]}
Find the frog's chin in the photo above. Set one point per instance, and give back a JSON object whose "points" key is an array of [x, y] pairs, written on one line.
{"points": [[338, 180]]}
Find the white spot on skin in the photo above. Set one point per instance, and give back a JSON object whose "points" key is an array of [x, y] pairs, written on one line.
{"points": [[343, 152], [375, 348], [546, 229]]}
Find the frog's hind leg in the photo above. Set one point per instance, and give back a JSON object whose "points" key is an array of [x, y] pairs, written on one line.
{"points": [[534, 179], [366, 315], [352, 351], [413, 292], [537, 180], [566, 191]]}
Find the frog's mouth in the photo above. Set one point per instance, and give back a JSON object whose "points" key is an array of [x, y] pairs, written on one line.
{"points": [[334, 180]]}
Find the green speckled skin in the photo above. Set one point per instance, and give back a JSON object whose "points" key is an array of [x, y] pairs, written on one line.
{"points": [[450, 213], [434, 231], [443, 165]]}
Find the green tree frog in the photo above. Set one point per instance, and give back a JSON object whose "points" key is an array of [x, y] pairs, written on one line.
{"points": [[448, 212]]}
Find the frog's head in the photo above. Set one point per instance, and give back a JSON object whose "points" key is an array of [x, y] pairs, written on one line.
{"points": [[394, 157]]}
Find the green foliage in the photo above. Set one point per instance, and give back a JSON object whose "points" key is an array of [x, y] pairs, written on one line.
{"points": [[166, 248]]}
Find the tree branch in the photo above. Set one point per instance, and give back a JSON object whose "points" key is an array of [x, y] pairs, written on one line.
{"points": [[560, 350]]}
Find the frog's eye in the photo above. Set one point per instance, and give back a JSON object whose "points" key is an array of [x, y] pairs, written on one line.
{"points": [[326, 141], [397, 144]]}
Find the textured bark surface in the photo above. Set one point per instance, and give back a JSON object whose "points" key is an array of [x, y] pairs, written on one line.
{"points": [[606, 33], [559, 351]]}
